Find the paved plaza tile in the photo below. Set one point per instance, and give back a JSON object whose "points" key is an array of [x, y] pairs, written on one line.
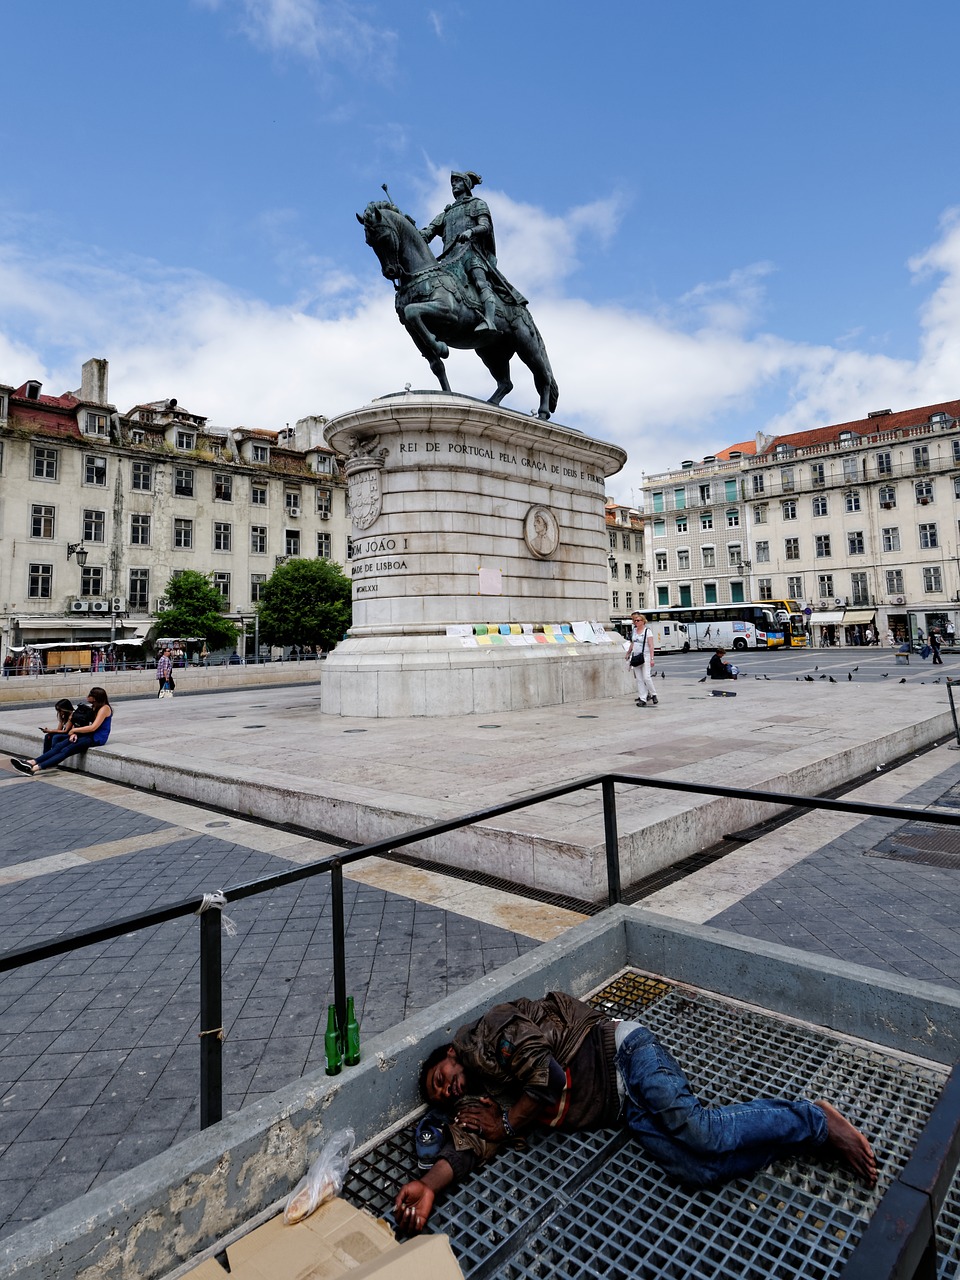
{"points": [[99, 1050], [847, 901]]}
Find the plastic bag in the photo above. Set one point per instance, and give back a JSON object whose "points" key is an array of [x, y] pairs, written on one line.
{"points": [[323, 1180]]}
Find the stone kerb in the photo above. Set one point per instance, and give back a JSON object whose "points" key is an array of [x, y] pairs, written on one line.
{"points": [[468, 518], [76, 684]]}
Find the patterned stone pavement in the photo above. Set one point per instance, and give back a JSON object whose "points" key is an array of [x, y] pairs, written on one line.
{"points": [[99, 1051]]}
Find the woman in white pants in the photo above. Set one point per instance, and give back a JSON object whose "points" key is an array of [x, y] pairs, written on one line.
{"points": [[642, 646]]}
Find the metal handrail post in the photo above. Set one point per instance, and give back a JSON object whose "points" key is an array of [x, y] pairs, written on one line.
{"points": [[611, 841], [211, 1019], [339, 947], [951, 684]]}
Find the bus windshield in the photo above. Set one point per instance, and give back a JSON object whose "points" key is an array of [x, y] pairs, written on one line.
{"points": [[791, 619]]}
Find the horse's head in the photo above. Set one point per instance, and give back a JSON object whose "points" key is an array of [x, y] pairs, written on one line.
{"points": [[380, 232], [394, 238]]}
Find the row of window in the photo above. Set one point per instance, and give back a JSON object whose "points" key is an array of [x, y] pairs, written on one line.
{"points": [[92, 579], [40, 585], [854, 468], [627, 570], [46, 466], [627, 601], [826, 588], [625, 541], [859, 585], [43, 525], [927, 538], [820, 506]]}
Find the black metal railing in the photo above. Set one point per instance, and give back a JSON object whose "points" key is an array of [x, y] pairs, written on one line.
{"points": [[898, 1252]]}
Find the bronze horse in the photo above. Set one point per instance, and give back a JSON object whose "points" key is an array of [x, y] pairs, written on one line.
{"points": [[438, 307]]}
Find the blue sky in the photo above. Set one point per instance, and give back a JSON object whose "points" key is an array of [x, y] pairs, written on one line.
{"points": [[726, 217]]}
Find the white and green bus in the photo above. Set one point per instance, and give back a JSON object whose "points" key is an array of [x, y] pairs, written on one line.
{"points": [[735, 626]]}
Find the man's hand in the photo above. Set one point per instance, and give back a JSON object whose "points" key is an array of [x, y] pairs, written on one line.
{"points": [[482, 1116], [413, 1205]]}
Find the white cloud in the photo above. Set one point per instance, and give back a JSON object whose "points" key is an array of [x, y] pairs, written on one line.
{"points": [[315, 30], [679, 383]]}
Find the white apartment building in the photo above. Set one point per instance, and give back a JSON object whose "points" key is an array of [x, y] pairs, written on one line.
{"points": [[857, 521], [626, 570], [98, 510]]}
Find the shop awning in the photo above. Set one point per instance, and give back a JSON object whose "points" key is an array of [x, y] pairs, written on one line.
{"points": [[858, 615], [827, 619], [66, 644], [66, 626]]}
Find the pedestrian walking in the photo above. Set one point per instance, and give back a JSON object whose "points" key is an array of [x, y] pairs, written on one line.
{"points": [[640, 657], [935, 646], [165, 681]]}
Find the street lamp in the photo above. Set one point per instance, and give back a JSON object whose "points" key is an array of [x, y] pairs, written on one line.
{"points": [[79, 550]]}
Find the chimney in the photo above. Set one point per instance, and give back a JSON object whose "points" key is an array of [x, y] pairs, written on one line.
{"points": [[93, 384]]}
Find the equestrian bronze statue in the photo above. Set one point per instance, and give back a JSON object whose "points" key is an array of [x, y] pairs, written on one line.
{"points": [[460, 299]]}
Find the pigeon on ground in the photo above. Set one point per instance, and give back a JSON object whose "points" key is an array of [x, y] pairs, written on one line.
{"points": [[884, 674], [663, 675], [766, 677], [824, 676], [809, 679], [702, 680], [831, 679], [849, 675], [903, 680], [816, 668], [938, 679], [856, 668]]}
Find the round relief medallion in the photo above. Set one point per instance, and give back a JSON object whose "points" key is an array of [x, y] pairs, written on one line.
{"points": [[541, 532]]}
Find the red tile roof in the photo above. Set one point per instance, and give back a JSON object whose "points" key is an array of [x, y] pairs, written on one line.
{"points": [[898, 420]]}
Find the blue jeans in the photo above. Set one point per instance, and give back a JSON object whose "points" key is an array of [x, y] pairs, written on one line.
{"points": [[62, 748], [701, 1144]]}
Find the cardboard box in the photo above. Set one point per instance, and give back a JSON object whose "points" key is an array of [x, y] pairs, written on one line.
{"points": [[335, 1241]]}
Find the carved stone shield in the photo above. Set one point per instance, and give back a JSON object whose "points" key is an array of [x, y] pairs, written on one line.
{"points": [[362, 469], [365, 495]]}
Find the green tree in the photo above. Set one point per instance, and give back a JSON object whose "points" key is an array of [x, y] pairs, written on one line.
{"points": [[305, 602], [196, 608]]}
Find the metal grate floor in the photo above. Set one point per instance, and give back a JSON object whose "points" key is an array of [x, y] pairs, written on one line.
{"points": [[592, 1204]]}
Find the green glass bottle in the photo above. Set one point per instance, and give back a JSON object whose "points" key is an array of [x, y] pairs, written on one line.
{"points": [[332, 1044], [351, 1048]]}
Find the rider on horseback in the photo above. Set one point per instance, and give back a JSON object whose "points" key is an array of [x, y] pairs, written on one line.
{"points": [[466, 225]]}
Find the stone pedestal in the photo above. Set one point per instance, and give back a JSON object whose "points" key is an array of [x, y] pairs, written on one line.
{"points": [[470, 521]]}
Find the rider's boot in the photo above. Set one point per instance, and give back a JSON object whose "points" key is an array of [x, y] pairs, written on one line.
{"points": [[489, 322]]}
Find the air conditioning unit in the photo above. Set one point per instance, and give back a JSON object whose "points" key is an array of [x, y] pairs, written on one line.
{"points": [[99, 606], [899, 600], [162, 603], [293, 511], [839, 602], [823, 605], [324, 515], [118, 604], [80, 606]]}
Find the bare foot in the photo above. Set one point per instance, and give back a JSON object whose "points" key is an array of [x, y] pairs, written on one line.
{"points": [[849, 1143]]}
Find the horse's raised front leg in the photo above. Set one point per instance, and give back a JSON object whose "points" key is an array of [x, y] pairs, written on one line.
{"points": [[414, 314]]}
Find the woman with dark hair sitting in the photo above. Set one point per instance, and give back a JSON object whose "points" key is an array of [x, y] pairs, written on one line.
{"points": [[64, 710], [79, 738]]}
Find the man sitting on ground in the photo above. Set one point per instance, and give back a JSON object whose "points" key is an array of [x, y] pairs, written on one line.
{"points": [[718, 667], [566, 1065]]}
